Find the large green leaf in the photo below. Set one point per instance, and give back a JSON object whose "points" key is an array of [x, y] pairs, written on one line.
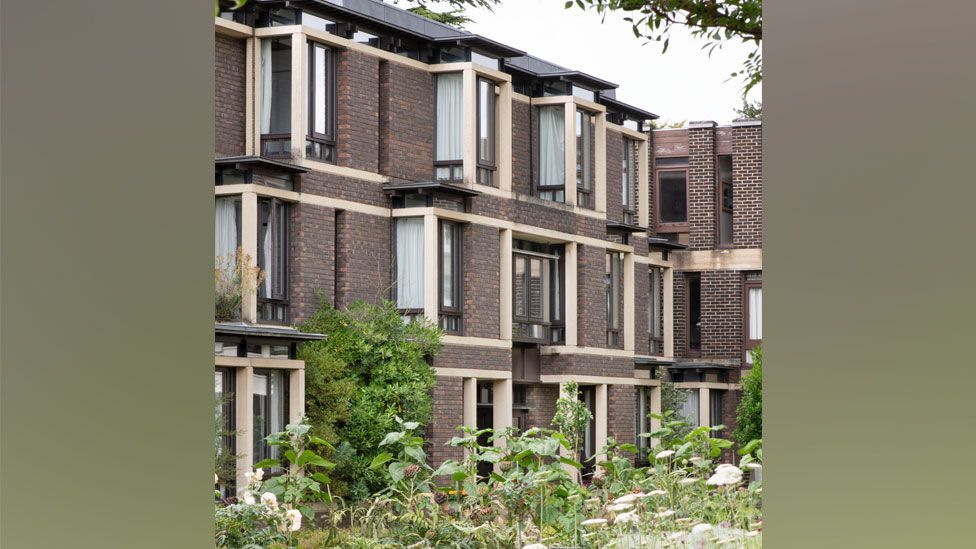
{"points": [[391, 438], [380, 460]]}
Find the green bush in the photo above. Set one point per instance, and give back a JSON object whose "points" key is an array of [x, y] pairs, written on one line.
{"points": [[749, 414], [375, 364]]}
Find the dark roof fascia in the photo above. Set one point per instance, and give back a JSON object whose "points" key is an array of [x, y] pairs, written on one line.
{"points": [[617, 227], [258, 161], [273, 332], [430, 186], [664, 244], [558, 73], [481, 43], [651, 361], [631, 111], [700, 366]]}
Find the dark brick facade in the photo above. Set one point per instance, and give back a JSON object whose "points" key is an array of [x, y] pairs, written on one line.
{"points": [[313, 260], [357, 112], [448, 416], [406, 122], [363, 265], [229, 102], [747, 175], [701, 187], [481, 281]]}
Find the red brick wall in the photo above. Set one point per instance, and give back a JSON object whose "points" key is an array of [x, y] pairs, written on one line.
{"points": [[469, 356], [591, 296], [312, 258], [641, 304], [622, 411], [363, 265], [701, 188], [406, 122], [615, 154], [448, 415], [357, 112], [541, 400], [721, 314], [747, 186], [587, 365], [481, 273], [229, 68]]}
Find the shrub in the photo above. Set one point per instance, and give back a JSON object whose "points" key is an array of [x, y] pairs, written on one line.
{"points": [[749, 414]]}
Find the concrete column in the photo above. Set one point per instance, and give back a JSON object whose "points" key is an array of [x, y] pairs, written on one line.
{"points": [[643, 190], [655, 409], [704, 405], [250, 46], [249, 243], [629, 302], [571, 308], [600, 162], [503, 152], [299, 102], [668, 305], [296, 395], [570, 148], [600, 418], [430, 267], [244, 404], [257, 94], [501, 407], [470, 404], [469, 125], [505, 284]]}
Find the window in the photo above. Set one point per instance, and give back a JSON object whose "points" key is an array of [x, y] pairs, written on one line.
{"points": [[552, 153], [320, 143], [614, 272], [584, 93], [450, 276], [752, 304], [410, 266], [689, 410], [672, 193], [724, 201], [269, 394], [584, 158], [715, 411], [273, 260], [227, 231], [225, 421], [693, 313], [537, 293], [484, 60], [643, 423], [655, 319], [276, 97], [628, 181], [486, 132], [485, 420], [448, 99], [587, 394]]}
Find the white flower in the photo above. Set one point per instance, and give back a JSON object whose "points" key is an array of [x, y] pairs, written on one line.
{"points": [[665, 514], [248, 498], [688, 480], [628, 498], [258, 474], [216, 479], [701, 528], [725, 475], [693, 459], [625, 518], [676, 535], [754, 465], [594, 522], [657, 493], [619, 507], [294, 517], [752, 534], [270, 500], [249, 475], [535, 546], [663, 454]]}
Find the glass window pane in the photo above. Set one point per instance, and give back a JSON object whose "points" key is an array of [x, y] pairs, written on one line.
{"points": [[410, 262], [519, 282], [689, 410], [486, 121], [449, 116], [319, 89], [674, 199], [447, 265], [276, 85], [755, 313], [552, 150]]}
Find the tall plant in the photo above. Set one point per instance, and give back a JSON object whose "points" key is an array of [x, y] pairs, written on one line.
{"points": [[572, 417], [234, 277], [749, 414]]}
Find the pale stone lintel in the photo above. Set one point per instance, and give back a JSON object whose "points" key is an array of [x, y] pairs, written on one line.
{"points": [[653, 260], [599, 380], [568, 350], [747, 259], [258, 362], [701, 124], [746, 122], [588, 105], [473, 373], [633, 134], [304, 198], [708, 385], [232, 28], [342, 170], [521, 97], [482, 70], [476, 341]]}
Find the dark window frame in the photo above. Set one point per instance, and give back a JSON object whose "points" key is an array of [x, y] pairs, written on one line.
{"points": [[678, 164], [629, 179], [689, 328], [286, 385], [724, 201], [280, 213], [584, 122], [556, 259], [552, 188], [412, 312], [487, 170], [456, 311], [455, 165], [614, 266], [281, 139], [327, 139], [655, 338], [747, 284]]}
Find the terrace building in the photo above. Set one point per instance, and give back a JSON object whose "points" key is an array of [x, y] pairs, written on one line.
{"points": [[370, 153]]}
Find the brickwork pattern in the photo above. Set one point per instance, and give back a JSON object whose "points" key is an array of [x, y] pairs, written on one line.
{"points": [[541, 399], [641, 308], [521, 147], [721, 314], [357, 112], [312, 259], [448, 397], [615, 155], [229, 102], [701, 188], [363, 264], [747, 187], [478, 358], [591, 297], [621, 413], [406, 122], [482, 281], [587, 365]]}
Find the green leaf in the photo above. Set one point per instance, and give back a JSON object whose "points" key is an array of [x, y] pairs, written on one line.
{"points": [[411, 425], [380, 460], [416, 452], [267, 464], [392, 438], [458, 476], [290, 456], [322, 478], [396, 470], [569, 461]]}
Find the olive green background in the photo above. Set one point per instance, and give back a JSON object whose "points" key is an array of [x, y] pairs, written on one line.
{"points": [[107, 134]]}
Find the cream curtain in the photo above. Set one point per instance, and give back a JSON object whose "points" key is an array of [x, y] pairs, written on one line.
{"points": [[225, 230], [552, 145], [449, 109], [410, 263]]}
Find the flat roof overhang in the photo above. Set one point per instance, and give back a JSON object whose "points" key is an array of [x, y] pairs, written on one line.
{"points": [[664, 244], [630, 111], [616, 227], [283, 333], [429, 186], [257, 161]]}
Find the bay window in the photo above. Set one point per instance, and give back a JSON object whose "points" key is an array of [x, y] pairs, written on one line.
{"points": [[584, 158], [486, 132], [628, 181], [275, 97], [449, 265], [672, 193], [552, 153], [273, 250], [537, 293], [409, 265], [752, 313], [270, 395], [724, 196], [448, 95], [614, 274], [320, 142]]}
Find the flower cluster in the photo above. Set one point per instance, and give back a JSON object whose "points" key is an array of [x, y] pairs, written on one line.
{"points": [[288, 520]]}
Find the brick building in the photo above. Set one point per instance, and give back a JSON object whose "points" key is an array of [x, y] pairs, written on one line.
{"points": [[368, 153]]}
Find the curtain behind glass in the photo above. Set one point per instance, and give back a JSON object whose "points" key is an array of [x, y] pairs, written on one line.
{"points": [[689, 410], [552, 136], [410, 263], [266, 89], [225, 229], [449, 105], [267, 237], [755, 313], [447, 265]]}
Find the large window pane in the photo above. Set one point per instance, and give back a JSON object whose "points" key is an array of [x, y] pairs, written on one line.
{"points": [[449, 117], [689, 410], [674, 196], [755, 313], [552, 146], [227, 229], [276, 85], [269, 410], [584, 132], [410, 263], [486, 122]]}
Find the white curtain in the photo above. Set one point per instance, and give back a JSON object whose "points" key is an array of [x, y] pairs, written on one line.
{"points": [[447, 264], [552, 146], [266, 88], [689, 410], [755, 313], [449, 107], [266, 243], [410, 263], [225, 230]]}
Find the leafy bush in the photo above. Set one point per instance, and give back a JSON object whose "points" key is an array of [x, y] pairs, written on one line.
{"points": [[749, 414], [376, 364]]}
